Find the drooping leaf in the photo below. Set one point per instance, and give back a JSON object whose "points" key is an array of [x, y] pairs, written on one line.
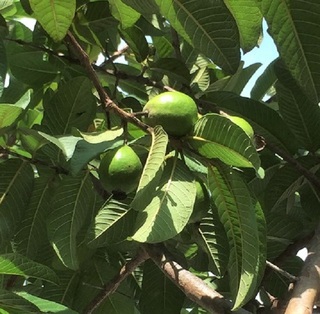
{"points": [[171, 206], [55, 16], [112, 224], [249, 29], [8, 115], [69, 210], [217, 39], [72, 106], [295, 31], [145, 8], [215, 136], [237, 214], [300, 113], [159, 294], [19, 265], [16, 183], [150, 175], [126, 15]]}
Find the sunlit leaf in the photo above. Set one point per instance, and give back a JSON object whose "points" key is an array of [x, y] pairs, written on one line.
{"points": [[171, 206]]}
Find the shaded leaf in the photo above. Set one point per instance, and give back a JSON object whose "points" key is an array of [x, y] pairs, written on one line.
{"points": [[16, 183], [159, 294], [72, 106], [69, 210]]}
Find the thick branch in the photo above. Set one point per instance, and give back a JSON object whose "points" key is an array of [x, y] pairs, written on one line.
{"points": [[306, 290], [193, 287], [113, 284], [104, 97]]}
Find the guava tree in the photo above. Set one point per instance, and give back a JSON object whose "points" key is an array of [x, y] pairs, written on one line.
{"points": [[109, 205]]}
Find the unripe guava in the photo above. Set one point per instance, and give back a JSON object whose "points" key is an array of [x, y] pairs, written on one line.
{"points": [[243, 124], [120, 170], [201, 204], [174, 111]]}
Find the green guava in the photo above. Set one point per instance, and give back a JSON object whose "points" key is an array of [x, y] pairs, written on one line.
{"points": [[174, 111], [201, 204], [120, 170], [243, 124]]}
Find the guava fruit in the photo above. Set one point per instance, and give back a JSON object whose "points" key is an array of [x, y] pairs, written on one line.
{"points": [[120, 170], [243, 124], [174, 111], [201, 204]]}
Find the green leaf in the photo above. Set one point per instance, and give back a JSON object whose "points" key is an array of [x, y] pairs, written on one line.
{"points": [[32, 231], [237, 213], [296, 32], [15, 304], [286, 181], [123, 13], [173, 68], [136, 40], [69, 210], [55, 16], [8, 115], [264, 82], [72, 106], [171, 207], [30, 65], [146, 8], [46, 306], [218, 39], [16, 183], [112, 224], [152, 169], [159, 294], [3, 65], [300, 113], [215, 136], [265, 121], [249, 28], [19, 265], [212, 239]]}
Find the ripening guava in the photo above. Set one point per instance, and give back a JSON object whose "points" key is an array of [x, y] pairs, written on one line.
{"points": [[120, 170], [174, 111], [201, 204], [243, 124]]}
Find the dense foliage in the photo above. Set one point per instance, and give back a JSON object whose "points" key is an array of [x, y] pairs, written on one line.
{"points": [[69, 95]]}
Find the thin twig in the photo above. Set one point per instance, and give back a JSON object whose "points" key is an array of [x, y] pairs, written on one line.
{"points": [[284, 273], [113, 284], [104, 97], [311, 177]]}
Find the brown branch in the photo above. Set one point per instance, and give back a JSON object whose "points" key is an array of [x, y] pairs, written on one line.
{"points": [[192, 286], [306, 290], [104, 97], [113, 284]]}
